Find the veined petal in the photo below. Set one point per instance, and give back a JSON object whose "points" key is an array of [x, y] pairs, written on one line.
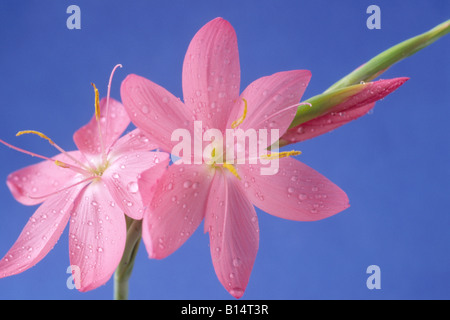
{"points": [[154, 110], [121, 179], [96, 237], [40, 234], [28, 185], [351, 108], [177, 208], [131, 142], [271, 101], [296, 192], [233, 230], [113, 122], [211, 73], [149, 180]]}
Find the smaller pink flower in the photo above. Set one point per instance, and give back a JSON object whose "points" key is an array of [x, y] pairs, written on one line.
{"points": [[92, 188]]}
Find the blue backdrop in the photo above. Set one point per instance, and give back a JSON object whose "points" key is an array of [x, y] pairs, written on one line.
{"points": [[393, 163]]}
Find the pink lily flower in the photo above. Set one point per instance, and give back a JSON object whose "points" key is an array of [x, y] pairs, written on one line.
{"points": [[92, 188], [223, 194]]}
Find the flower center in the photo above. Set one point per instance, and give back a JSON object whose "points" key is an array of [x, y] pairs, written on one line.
{"points": [[216, 155], [98, 171]]}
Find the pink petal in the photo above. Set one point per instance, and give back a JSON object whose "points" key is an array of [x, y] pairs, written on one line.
{"points": [[296, 192], [272, 104], [150, 179], [154, 110], [271, 101], [211, 73], [113, 122], [353, 108], [40, 234], [233, 232], [177, 208], [96, 237], [132, 141], [121, 179], [41, 179]]}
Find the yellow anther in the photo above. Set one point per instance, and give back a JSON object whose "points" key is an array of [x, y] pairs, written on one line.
{"points": [[97, 103], [61, 164], [40, 134], [278, 155], [213, 153], [232, 169], [236, 123]]}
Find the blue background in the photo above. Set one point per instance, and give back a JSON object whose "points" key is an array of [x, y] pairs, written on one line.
{"points": [[393, 163]]}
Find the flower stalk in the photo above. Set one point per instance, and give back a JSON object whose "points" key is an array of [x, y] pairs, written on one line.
{"points": [[126, 264]]}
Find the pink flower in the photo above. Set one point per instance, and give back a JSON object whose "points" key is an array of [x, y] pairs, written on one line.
{"points": [[92, 187], [223, 194]]}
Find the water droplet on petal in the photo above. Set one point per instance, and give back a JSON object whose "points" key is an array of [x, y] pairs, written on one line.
{"points": [[302, 196], [133, 187], [187, 184], [237, 262], [237, 292]]}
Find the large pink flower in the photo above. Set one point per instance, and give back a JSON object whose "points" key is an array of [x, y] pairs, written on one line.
{"points": [[92, 187], [223, 194]]}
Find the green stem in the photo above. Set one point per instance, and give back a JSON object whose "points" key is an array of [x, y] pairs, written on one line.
{"points": [[125, 267], [380, 63]]}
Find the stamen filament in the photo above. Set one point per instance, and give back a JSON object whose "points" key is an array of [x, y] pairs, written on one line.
{"points": [[57, 162], [40, 134], [97, 103], [97, 118], [25, 151], [236, 123], [58, 191], [278, 155], [232, 169], [107, 103]]}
